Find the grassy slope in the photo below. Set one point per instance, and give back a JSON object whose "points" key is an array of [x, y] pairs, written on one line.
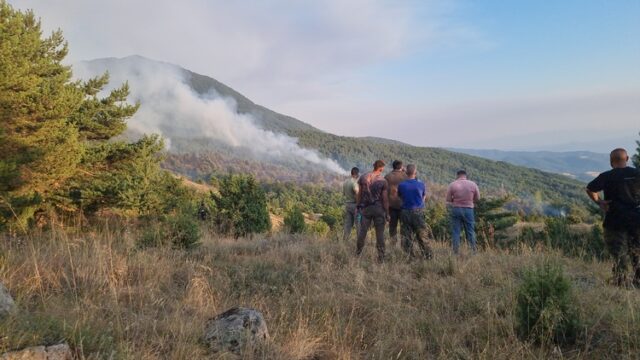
{"points": [[108, 299]]}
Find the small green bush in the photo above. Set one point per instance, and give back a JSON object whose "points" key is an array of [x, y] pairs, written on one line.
{"points": [[241, 206], [184, 231], [545, 309], [181, 230], [151, 236], [332, 217], [319, 228], [294, 221]]}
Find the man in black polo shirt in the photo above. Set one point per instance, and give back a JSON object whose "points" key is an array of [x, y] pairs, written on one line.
{"points": [[621, 205]]}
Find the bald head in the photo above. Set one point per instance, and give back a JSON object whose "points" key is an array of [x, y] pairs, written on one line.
{"points": [[619, 158], [411, 170]]}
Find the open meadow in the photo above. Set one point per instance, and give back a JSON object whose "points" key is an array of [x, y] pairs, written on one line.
{"points": [[110, 299]]}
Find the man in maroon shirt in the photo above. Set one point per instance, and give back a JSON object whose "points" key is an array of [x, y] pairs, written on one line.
{"points": [[373, 203]]}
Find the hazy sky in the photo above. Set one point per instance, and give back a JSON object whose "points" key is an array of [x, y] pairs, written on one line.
{"points": [[485, 74]]}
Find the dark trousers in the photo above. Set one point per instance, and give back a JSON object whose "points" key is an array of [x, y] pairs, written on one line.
{"points": [[624, 247], [372, 214], [394, 219], [413, 226]]}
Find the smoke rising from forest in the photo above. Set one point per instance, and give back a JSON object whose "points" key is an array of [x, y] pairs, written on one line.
{"points": [[171, 108]]}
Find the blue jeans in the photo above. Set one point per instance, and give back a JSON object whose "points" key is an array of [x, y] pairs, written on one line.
{"points": [[463, 217]]}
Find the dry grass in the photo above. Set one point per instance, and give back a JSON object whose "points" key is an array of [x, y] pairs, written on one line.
{"points": [[110, 300]]}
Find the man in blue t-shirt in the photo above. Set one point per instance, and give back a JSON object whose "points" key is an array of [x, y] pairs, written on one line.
{"points": [[413, 193]]}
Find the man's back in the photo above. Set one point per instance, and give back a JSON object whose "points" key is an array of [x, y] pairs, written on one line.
{"points": [[463, 193], [394, 179], [372, 186], [621, 187], [412, 193], [349, 190]]}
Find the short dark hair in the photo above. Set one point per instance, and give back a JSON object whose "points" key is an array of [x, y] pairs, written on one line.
{"points": [[411, 169], [461, 172], [378, 164], [397, 164], [355, 171]]}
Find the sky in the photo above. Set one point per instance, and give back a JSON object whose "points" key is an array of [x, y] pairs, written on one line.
{"points": [[511, 75]]}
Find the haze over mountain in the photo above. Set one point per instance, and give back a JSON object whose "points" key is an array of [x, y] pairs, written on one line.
{"points": [[581, 165], [211, 128]]}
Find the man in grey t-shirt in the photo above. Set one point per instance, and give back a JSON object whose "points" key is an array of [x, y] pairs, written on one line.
{"points": [[350, 191]]}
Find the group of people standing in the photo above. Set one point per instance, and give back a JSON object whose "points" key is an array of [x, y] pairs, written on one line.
{"points": [[399, 199]]}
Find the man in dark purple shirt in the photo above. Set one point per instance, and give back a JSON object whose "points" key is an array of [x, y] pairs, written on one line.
{"points": [[373, 203]]}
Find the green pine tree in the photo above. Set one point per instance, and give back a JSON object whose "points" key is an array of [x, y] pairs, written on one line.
{"points": [[39, 148], [493, 220], [56, 147], [294, 221]]}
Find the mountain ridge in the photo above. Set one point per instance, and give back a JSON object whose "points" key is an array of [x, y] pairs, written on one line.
{"points": [[436, 164]]}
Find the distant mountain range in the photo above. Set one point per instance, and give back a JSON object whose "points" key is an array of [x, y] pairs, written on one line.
{"points": [[581, 165], [199, 156]]}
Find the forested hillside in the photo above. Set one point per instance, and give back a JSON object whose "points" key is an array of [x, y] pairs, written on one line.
{"points": [[439, 166]]}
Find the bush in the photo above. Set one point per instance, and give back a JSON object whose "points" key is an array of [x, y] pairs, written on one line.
{"points": [[587, 246], [153, 235], [294, 221], [332, 216], [544, 309], [319, 228], [184, 231], [181, 230], [242, 206]]}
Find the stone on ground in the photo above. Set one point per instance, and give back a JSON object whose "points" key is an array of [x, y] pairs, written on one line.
{"points": [[54, 352], [235, 330], [6, 302]]}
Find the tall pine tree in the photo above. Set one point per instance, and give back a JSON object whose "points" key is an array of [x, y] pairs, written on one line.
{"points": [[56, 147]]}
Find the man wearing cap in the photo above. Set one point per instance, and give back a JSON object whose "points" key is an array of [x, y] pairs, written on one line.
{"points": [[462, 195], [413, 193], [373, 204], [394, 178], [621, 205], [350, 190]]}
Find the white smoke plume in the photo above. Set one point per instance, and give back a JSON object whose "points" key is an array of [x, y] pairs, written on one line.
{"points": [[170, 107]]}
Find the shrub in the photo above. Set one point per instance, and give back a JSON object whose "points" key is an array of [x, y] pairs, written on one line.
{"points": [[184, 231], [332, 216], [181, 230], [242, 206], [319, 228], [152, 235], [544, 308], [294, 221]]}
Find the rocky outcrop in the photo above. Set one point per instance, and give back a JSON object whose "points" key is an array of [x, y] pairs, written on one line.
{"points": [[6, 302], [54, 352], [236, 329]]}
